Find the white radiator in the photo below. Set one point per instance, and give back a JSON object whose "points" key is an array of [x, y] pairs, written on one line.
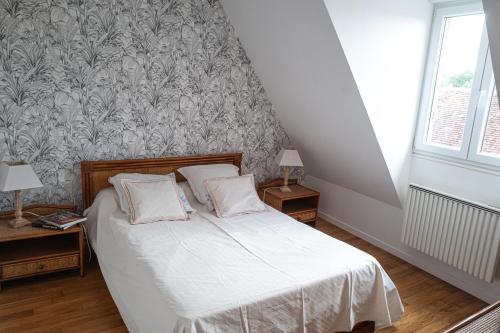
{"points": [[458, 232]]}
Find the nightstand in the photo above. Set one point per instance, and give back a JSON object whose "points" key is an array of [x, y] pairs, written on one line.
{"points": [[29, 251], [301, 203]]}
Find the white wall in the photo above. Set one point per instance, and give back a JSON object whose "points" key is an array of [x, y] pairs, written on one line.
{"points": [[385, 43], [457, 179], [466, 181], [297, 54], [295, 50], [381, 224]]}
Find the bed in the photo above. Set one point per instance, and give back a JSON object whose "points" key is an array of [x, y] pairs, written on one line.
{"points": [[261, 272]]}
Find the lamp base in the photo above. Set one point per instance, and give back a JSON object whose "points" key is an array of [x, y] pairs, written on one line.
{"points": [[19, 222], [285, 189]]}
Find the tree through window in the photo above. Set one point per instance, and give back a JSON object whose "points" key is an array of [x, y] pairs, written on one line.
{"points": [[459, 115]]}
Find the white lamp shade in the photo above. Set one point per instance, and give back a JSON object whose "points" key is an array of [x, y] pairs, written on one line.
{"points": [[17, 176], [288, 157]]}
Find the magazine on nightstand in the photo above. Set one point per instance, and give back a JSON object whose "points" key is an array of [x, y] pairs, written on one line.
{"points": [[59, 221]]}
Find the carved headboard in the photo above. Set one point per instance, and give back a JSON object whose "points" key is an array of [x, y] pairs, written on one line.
{"points": [[95, 174]]}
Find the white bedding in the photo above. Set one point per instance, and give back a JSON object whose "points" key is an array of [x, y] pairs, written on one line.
{"points": [[261, 272]]}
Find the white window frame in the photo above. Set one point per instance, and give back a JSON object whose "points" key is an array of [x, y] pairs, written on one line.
{"points": [[481, 90], [481, 118]]}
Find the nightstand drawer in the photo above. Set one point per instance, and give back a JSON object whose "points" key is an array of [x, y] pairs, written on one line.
{"points": [[10, 271], [304, 216]]}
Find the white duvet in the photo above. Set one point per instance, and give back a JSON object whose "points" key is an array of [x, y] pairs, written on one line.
{"points": [[261, 272]]}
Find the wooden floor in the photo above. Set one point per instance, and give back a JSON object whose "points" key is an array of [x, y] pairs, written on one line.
{"points": [[65, 302]]}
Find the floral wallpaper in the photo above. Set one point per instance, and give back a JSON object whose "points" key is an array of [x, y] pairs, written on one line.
{"points": [[89, 80]]}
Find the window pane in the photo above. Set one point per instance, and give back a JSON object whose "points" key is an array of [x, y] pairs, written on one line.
{"points": [[491, 140], [457, 63]]}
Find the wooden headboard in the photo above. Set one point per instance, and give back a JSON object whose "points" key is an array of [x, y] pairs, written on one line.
{"points": [[95, 174]]}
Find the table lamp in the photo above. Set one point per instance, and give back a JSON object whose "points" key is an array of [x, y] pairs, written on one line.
{"points": [[288, 158], [17, 176]]}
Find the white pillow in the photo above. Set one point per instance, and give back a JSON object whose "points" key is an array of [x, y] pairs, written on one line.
{"points": [[234, 195], [116, 181], [153, 200], [197, 174]]}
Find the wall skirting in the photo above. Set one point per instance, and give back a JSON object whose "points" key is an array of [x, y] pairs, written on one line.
{"points": [[421, 261]]}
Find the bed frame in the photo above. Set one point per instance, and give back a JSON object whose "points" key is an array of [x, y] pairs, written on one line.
{"points": [[95, 176]]}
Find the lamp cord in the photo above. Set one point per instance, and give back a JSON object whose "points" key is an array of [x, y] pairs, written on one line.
{"points": [[265, 190], [87, 241], [34, 214]]}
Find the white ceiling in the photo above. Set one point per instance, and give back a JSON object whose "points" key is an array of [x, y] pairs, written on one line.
{"points": [[296, 52]]}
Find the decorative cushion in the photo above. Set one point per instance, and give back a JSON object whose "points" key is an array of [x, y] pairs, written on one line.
{"points": [[116, 181], [234, 195], [153, 200], [197, 174]]}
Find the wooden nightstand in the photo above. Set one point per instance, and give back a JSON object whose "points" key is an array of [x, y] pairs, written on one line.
{"points": [[301, 203], [29, 251]]}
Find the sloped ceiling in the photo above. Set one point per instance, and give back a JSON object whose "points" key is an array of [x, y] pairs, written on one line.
{"points": [[385, 43], [492, 11], [296, 52]]}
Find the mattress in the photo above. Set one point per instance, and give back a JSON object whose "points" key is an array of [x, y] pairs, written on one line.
{"points": [[261, 272]]}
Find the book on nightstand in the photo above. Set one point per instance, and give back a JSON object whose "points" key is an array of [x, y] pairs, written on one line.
{"points": [[59, 221]]}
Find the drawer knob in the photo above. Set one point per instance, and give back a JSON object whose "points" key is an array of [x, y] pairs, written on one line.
{"points": [[41, 266]]}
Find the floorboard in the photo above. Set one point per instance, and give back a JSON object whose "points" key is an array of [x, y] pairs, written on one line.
{"points": [[65, 302]]}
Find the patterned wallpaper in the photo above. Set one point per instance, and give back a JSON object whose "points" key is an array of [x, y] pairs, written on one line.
{"points": [[88, 79]]}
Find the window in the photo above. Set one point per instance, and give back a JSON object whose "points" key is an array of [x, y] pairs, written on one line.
{"points": [[459, 112], [491, 138]]}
